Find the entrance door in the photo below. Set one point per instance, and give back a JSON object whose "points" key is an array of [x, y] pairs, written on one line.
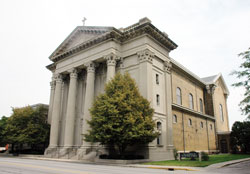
{"points": [[223, 146]]}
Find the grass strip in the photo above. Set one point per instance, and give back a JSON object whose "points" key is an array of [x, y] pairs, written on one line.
{"points": [[213, 159]]}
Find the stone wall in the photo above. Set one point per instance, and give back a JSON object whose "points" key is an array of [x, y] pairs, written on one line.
{"points": [[187, 86], [193, 137], [220, 99]]}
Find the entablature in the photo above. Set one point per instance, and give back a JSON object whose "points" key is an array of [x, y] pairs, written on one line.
{"points": [[119, 36]]}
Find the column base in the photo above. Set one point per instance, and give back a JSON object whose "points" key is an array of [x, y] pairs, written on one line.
{"points": [[170, 147], [67, 152], [51, 152]]}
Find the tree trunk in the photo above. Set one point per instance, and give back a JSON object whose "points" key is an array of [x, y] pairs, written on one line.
{"points": [[122, 149], [12, 147]]}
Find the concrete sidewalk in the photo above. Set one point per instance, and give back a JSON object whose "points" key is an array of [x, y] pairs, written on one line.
{"points": [[171, 168]]}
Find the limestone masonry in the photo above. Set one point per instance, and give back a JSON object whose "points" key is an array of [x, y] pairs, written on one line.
{"points": [[190, 112]]}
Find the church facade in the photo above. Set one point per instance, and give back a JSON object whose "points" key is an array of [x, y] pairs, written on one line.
{"points": [[190, 112]]}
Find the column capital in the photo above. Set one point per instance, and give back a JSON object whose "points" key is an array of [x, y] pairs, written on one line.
{"points": [[210, 89], [90, 67], [145, 55], [53, 84], [73, 73], [168, 66], [111, 59], [58, 78]]}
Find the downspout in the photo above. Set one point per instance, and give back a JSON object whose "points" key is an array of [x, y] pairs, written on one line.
{"points": [[207, 138]]}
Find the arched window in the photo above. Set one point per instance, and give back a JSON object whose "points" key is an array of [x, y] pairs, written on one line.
{"points": [[189, 122], [159, 138], [201, 124], [201, 106], [191, 102], [178, 96], [174, 119], [221, 113]]}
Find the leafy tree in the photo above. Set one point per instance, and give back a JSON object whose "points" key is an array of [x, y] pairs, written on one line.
{"points": [[244, 74], [240, 137], [37, 128], [121, 116], [27, 126], [3, 123]]}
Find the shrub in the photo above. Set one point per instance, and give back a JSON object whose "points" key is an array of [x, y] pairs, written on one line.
{"points": [[175, 154], [192, 158], [204, 156]]}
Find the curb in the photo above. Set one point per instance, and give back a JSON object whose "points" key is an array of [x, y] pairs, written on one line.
{"points": [[172, 168], [236, 162]]}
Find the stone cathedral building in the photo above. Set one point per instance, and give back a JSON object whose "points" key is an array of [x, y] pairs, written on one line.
{"points": [[190, 112]]}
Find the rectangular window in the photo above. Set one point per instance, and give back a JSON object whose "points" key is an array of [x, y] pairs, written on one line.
{"points": [[157, 79], [201, 106], [158, 99]]}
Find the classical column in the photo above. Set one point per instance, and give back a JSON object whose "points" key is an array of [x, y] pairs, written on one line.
{"points": [[70, 113], [89, 97], [111, 63], [145, 58], [52, 92], [56, 113], [168, 92]]}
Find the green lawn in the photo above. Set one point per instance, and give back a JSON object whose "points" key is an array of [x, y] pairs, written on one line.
{"points": [[212, 160]]}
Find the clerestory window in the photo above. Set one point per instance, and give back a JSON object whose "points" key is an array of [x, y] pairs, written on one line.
{"points": [[178, 96]]}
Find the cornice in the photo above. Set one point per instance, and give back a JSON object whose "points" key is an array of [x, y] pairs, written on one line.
{"points": [[51, 67], [190, 111], [177, 67], [121, 36], [114, 34]]}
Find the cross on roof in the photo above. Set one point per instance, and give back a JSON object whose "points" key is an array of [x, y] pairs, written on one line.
{"points": [[83, 21]]}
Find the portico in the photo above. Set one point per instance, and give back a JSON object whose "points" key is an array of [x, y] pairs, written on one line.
{"points": [[71, 78]]}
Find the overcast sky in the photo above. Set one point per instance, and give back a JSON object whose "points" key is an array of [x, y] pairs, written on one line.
{"points": [[209, 34]]}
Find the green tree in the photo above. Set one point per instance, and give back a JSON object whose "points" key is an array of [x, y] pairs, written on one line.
{"points": [[3, 123], [240, 137], [37, 128], [244, 74], [27, 126], [121, 116]]}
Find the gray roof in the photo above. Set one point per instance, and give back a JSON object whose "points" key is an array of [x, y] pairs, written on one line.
{"points": [[209, 79], [187, 71]]}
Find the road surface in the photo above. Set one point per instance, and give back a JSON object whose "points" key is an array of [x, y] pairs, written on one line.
{"points": [[32, 166]]}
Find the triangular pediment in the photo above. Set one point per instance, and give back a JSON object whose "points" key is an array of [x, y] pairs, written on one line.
{"points": [[78, 36]]}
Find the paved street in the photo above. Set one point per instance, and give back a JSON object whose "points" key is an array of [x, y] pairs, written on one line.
{"points": [[28, 166], [31, 166]]}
